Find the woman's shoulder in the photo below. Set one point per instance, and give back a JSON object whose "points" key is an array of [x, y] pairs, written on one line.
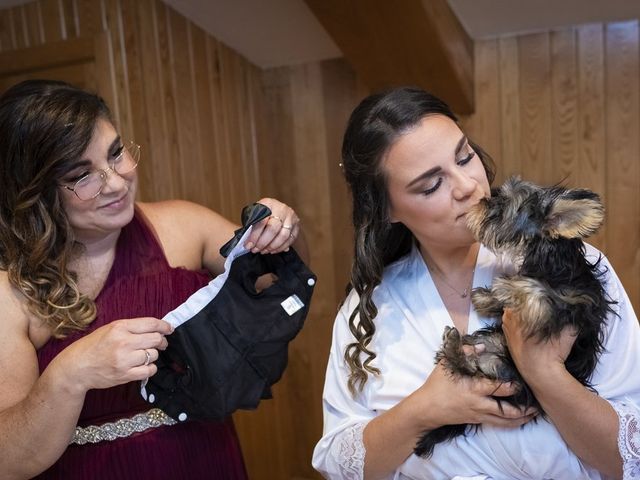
{"points": [[179, 216], [15, 317], [10, 298], [172, 211], [398, 276], [20, 335]]}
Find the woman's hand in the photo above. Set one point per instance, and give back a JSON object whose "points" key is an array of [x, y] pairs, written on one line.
{"points": [[531, 356], [277, 232], [453, 399], [116, 353]]}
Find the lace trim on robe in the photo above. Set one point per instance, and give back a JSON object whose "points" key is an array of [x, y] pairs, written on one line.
{"points": [[348, 452], [628, 439]]}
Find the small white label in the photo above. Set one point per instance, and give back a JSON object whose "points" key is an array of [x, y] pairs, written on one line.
{"points": [[292, 304]]}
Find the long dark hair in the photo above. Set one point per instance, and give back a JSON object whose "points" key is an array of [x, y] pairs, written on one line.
{"points": [[374, 126], [44, 127]]}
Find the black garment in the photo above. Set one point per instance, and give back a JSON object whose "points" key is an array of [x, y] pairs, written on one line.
{"points": [[229, 353]]}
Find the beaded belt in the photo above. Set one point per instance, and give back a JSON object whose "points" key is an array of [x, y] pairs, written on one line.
{"points": [[122, 428]]}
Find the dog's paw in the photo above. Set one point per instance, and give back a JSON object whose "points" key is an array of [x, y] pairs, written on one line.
{"points": [[486, 304], [453, 354]]}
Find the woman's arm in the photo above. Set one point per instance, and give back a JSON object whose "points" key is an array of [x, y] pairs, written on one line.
{"points": [[191, 234], [443, 400], [586, 421], [38, 413]]}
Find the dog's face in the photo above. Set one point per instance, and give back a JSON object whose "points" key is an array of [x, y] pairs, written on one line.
{"points": [[520, 212]]}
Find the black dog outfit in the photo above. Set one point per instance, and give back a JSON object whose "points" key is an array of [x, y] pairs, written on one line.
{"points": [[230, 341]]}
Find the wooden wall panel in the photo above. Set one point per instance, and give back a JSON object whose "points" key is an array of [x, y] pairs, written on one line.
{"points": [[306, 110], [311, 187], [170, 167], [279, 119], [7, 32], [183, 121], [90, 17], [232, 86], [202, 113], [486, 96], [564, 104], [34, 26], [53, 28], [591, 171], [118, 59], [535, 105], [217, 143], [341, 95], [509, 159], [148, 106], [622, 167], [72, 22]]}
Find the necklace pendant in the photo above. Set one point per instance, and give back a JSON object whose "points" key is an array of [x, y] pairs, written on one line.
{"points": [[464, 293]]}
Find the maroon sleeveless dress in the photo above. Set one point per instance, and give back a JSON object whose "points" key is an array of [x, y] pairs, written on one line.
{"points": [[141, 283]]}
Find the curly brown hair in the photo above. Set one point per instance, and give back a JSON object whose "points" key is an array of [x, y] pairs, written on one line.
{"points": [[44, 127], [374, 126]]}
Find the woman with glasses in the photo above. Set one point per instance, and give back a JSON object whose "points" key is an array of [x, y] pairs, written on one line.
{"points": [[86, 273]]}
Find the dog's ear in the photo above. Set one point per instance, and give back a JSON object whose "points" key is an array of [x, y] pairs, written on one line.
{"points": [[575, 214]]}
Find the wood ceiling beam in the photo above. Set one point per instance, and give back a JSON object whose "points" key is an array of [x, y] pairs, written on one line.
{"points": [[403, 42]]}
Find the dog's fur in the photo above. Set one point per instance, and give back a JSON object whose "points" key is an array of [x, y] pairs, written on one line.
{"points": [[555, 287]]}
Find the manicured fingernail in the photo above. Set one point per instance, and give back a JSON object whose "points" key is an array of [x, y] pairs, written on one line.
{"points": [[248, 245]]}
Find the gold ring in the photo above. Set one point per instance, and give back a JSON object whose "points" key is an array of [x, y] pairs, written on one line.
{"points": [[147, 359], [288, 227], [277, 218]]}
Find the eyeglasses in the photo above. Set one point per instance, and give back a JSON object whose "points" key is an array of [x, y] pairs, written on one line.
{"points": [[90, 186]]}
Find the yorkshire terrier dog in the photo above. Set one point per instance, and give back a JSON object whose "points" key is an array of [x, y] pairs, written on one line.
{"points": [[555, 287]]}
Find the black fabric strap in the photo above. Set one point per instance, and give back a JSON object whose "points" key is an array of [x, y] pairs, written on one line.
{"points": [[251, 214]]}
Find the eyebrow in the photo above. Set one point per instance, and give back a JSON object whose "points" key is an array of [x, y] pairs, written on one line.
{"points": [[86, 161], [429, 173]]}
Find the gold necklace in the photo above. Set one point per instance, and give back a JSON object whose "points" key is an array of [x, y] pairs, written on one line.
{"points": [[464, 293]]}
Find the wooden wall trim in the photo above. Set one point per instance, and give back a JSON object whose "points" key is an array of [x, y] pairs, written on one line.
{"points": [[418, 43], [48, 55]]}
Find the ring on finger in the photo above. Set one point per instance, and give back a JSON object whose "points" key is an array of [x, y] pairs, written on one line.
{"points": [[147, 359], [288, 227]]}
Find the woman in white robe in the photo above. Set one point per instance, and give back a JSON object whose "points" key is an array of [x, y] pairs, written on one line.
{"points": [[413, 175]]}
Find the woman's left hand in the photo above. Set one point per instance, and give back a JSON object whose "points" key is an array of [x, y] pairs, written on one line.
{"points": [[532, 356], [277, 232]]}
